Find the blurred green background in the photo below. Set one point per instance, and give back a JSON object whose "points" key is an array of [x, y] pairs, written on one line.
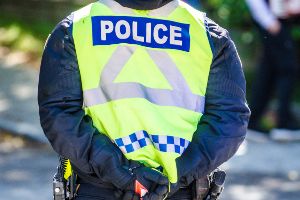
{"points": [[262, 169], [25, 25]]}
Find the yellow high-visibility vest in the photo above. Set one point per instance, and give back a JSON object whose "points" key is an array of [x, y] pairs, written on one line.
{"points": [[144, 76]]}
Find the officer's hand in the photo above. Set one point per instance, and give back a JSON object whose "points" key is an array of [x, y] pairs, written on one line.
{"points": [[130, 195], [153, 181], [159, 194], [274, 28], [174, 187], [108, 162]]}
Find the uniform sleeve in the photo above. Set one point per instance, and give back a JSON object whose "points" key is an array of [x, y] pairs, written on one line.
{"points": [[223, 126], [60, 98], [71, 132]]}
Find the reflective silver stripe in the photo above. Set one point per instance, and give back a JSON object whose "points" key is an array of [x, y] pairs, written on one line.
{"points": [[160, 97], [180, 96], [169, 70], [114, 66]]}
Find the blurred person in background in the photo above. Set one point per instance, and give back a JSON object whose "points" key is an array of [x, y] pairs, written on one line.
{"points": [[277, 68]]}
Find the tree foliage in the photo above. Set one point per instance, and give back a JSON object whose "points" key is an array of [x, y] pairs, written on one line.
{"points": [[229, 13]]}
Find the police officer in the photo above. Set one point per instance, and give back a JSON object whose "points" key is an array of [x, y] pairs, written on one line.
{"points": [[140, 96]]}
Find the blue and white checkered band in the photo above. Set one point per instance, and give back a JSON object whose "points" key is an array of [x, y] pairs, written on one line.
{"points": [[141, 139], [170, 143], [133, 142]]}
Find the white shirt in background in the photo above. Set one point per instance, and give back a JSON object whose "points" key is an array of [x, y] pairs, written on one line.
{"points": [[261, 13]]}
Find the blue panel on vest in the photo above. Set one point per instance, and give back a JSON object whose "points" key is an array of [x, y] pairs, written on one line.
{"points": [[155, 138], [182, 142], [142, 142], [163, 147], [177, 149], [119, 142], [170, 140], [133, 137], [129, 148], [148, 32], [146, 135]]}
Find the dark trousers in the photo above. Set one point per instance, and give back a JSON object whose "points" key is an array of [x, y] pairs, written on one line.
{"points": [[87, 191], [276, 74]]}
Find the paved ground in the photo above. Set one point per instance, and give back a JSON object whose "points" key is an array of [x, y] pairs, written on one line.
{"points": [[266, 171], [26, 169], [262, 171], [18, 100]]}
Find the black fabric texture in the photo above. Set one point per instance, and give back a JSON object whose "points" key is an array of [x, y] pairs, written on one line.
{"points": [[154, 181], [87, 191]]}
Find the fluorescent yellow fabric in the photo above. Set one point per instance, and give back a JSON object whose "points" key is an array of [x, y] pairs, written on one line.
{"points": [[67, 169], [120, 118], [148, 75]]}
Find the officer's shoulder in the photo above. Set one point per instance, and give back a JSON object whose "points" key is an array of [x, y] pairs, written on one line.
{"points": [[64, 27], [82, 13], [212, 27], [219, 36], [60, 34]]}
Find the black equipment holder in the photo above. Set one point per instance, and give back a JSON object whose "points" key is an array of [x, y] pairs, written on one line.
{"points": [[210, 187], [217, 184], [63, 189]]}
